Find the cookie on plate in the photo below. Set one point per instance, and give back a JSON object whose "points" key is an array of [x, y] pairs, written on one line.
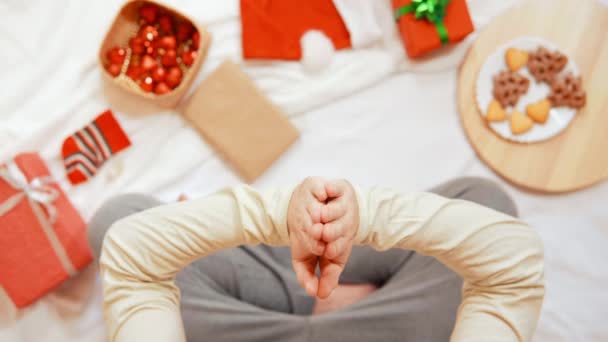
{"points": [[495, 112], [544, 65], [567, 90], [520, 123], [509, 87], [539, 111], [516, 58]]}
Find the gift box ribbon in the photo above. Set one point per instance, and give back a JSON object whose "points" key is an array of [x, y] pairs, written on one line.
{"points": [[431, 10], [40, 194]]}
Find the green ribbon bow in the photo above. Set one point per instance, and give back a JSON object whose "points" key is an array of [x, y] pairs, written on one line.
{"points": [[431, 10]]}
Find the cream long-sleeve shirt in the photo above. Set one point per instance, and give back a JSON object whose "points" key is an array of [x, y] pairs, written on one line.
{"points": [[499, 257]]}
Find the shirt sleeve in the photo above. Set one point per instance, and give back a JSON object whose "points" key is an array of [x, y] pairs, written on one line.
{"points": [[499, 257], [142, 254]]}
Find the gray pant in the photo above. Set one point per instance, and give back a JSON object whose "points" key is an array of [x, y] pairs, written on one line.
{"points": [[251, 293]]}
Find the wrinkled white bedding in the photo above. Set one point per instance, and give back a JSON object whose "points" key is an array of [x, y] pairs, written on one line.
{"points": [[360, 119]]}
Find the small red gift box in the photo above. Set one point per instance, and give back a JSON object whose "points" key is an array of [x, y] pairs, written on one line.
{"points": [[42, 236], [421, 35]]}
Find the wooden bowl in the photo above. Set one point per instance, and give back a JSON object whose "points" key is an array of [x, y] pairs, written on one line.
{"points": [[124, 27]]}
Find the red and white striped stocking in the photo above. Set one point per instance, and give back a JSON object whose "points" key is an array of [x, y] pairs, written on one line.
{"points": [[85, 151]]}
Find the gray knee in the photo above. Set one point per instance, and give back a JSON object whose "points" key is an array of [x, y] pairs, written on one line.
{"points": [[113, 210], [487, 193]]}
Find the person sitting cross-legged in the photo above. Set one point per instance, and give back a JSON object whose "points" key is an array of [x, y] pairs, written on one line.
{"points": [[370, 265]]}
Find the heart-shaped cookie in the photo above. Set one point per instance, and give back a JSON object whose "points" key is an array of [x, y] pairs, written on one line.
{"points": [[495, 112], [539, 111], [516, 58], [520, 123]]}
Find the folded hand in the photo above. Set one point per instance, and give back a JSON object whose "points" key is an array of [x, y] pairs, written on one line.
{"points": [[323, 219]]}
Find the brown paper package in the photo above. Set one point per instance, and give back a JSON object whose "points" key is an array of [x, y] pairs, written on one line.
{"points": [[233, 115]]}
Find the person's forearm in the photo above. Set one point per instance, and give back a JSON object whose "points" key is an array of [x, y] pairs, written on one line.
{"points": [[499, 257], [142, 254]]}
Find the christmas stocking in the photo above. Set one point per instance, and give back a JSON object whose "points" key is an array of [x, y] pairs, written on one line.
{"points": [[85, 151]]}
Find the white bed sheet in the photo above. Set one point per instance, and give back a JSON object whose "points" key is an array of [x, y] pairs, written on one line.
{"points": [[403, 132]]}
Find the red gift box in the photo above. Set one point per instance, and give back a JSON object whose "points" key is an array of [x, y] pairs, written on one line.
{"points": [[42, 236], [421, 36]]}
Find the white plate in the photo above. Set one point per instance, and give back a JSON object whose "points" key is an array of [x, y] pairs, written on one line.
{"points": [[559, 117]]}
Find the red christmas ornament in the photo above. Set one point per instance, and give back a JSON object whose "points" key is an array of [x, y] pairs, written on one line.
{"points": [[150, 48], [152, 51], [149, 33], [183, 48], [149, 13], [159, 74], [184, 31], [117, 55], [162, 88], [188, 57], [174, 77], [148, 63], [147, 84], [169, 59], [196, 37], [165, 24], [167, 42], [135, 72], [114, 69], [137, 45]]}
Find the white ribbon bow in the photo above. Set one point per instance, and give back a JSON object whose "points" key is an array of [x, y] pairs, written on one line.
{"points": [[37, 191]]}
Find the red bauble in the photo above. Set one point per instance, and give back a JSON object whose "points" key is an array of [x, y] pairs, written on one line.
{"points": [[151, 50], [148, 63], [167, 42], [137, 45], [149, 47], [159, 74], [196, 37], [165, 23], [184, 31], [135, 72], [147, 84], [148, 33], [183, 48], [188, 57], [169, 59], [149, 13], [162, 88], [174, 77], [117, 55], [114, 69]]}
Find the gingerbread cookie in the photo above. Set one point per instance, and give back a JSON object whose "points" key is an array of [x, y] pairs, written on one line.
{"points": [[509, 87], [516, 58], [539, 111], [544, 64], [495, 112], [520, 123], [567, 90]]}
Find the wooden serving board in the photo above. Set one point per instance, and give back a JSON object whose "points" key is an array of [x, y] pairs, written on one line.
{"points": [[578, 157]]}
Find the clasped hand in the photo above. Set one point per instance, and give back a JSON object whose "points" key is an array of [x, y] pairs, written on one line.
{"points": [[322, 219]]}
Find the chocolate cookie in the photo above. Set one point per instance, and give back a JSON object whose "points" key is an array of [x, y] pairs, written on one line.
{"points": [[567, 90], [509, 87], [544, 64]]}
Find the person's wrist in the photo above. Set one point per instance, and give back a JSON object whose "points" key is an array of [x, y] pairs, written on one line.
{"points": [[356, 208], [284, 199], [361, 226]]}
